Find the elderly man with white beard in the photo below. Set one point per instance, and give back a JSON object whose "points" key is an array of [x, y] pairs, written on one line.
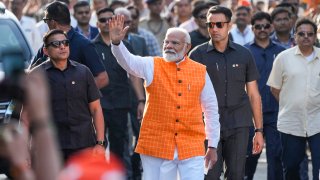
{"points": [[178, 90]]}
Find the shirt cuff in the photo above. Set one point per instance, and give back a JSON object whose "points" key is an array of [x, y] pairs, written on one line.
{"points": [[212, 143]]}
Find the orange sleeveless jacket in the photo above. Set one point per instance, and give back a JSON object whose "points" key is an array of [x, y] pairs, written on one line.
{"points": [[173, 115]]}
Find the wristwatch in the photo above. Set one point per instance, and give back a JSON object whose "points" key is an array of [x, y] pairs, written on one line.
{"points": [[101, 143], [259, 130]]}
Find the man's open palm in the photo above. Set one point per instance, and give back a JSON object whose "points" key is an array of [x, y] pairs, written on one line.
{"points": [[116, 30]]}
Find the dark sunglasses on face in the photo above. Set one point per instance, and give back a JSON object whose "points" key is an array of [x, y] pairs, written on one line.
{"points": [[46, 20], [217, 24], [57, 44], [202, 17], [103, 20], [260, 26], [304, 34]]}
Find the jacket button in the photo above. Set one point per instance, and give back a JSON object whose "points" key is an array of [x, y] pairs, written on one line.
{"points": [[178, 107], [177, 120], [178, 69], [179, 94], [180, 81], [176, 134]]}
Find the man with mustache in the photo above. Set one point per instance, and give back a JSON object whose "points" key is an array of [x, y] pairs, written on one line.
{"points": [[178, 90], [241, 32], [295, 83], [264, 52], [75, 98]]}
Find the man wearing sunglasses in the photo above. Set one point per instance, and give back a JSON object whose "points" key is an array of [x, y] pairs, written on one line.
{"points": [[172, 134], [264, 52], [57, 16], [116, 100], [75, 98], [295, 83], [201, 34], [234, 75]]}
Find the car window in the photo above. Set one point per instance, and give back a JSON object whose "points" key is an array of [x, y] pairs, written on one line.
{"points": [[11, 37]]}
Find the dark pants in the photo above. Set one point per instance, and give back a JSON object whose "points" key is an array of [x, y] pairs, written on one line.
{"points": [[135, 157], [232, 150], [67, 153], [304, 169], [116, 123], [273, 150], [294, 148], [116, 126]]}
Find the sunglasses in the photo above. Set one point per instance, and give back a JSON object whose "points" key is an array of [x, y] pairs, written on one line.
{"points": [[46, 20], [217, 24], [202, 17], [103, 20], [262, 26], [305, 34], [57, 44]]}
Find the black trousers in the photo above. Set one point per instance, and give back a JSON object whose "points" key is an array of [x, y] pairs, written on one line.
{"points": [[273, 149], [116, 127], [67, 153], [294, 148], [232, 150]]}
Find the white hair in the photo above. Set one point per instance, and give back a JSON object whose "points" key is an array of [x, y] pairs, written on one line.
{"points": [[181, 30], [122, 11]]}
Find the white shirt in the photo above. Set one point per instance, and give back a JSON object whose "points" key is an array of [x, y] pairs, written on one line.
{"points": [[73, 22], [242, 38], [28, 25], [93, 19], [189, 25], [42, 28], [143, 67], [299, 101]]}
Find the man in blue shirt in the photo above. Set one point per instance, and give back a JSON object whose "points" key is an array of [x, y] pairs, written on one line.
{"points": [[82, 14], [57, 16], [281, 21], [264, 52]]}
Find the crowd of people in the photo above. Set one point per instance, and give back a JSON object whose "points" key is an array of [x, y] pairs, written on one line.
{"points": [[196, 87]]}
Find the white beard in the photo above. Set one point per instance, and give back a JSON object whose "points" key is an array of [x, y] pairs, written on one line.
{"points": [[173, 56]]}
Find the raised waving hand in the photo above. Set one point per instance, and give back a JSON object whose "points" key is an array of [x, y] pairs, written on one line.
{"points": [[116, 30]]}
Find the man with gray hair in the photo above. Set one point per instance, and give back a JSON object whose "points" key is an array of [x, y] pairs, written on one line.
{"points": [[178, 90], [135, 40]]}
